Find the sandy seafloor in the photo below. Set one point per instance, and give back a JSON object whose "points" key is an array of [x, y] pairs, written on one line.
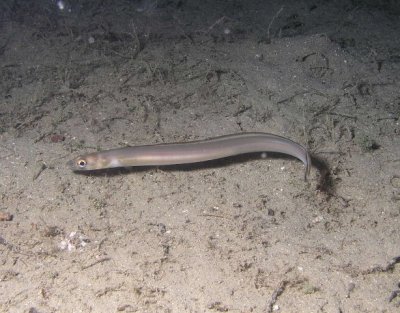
{"points": [[240, 235]]}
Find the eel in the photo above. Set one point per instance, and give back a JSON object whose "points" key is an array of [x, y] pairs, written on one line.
{"points": [[191, 152]]}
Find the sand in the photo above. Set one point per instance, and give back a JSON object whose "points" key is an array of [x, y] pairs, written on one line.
{"points": [[245, 234]]}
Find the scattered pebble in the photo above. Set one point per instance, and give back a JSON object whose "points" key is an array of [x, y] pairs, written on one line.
{"points": [[73, 241], [318, 219], [350, 288], [259, 56], [52, 231], [55, 138], [5, 216], [395, 181]]}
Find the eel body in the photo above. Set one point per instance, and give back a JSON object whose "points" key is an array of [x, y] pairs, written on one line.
{"points": [[191, 152]]}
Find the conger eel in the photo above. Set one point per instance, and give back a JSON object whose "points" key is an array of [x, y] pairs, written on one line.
{"points": [[191, 152]]}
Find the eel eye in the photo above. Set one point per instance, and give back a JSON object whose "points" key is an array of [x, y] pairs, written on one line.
{"points": [[81, 163]]}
